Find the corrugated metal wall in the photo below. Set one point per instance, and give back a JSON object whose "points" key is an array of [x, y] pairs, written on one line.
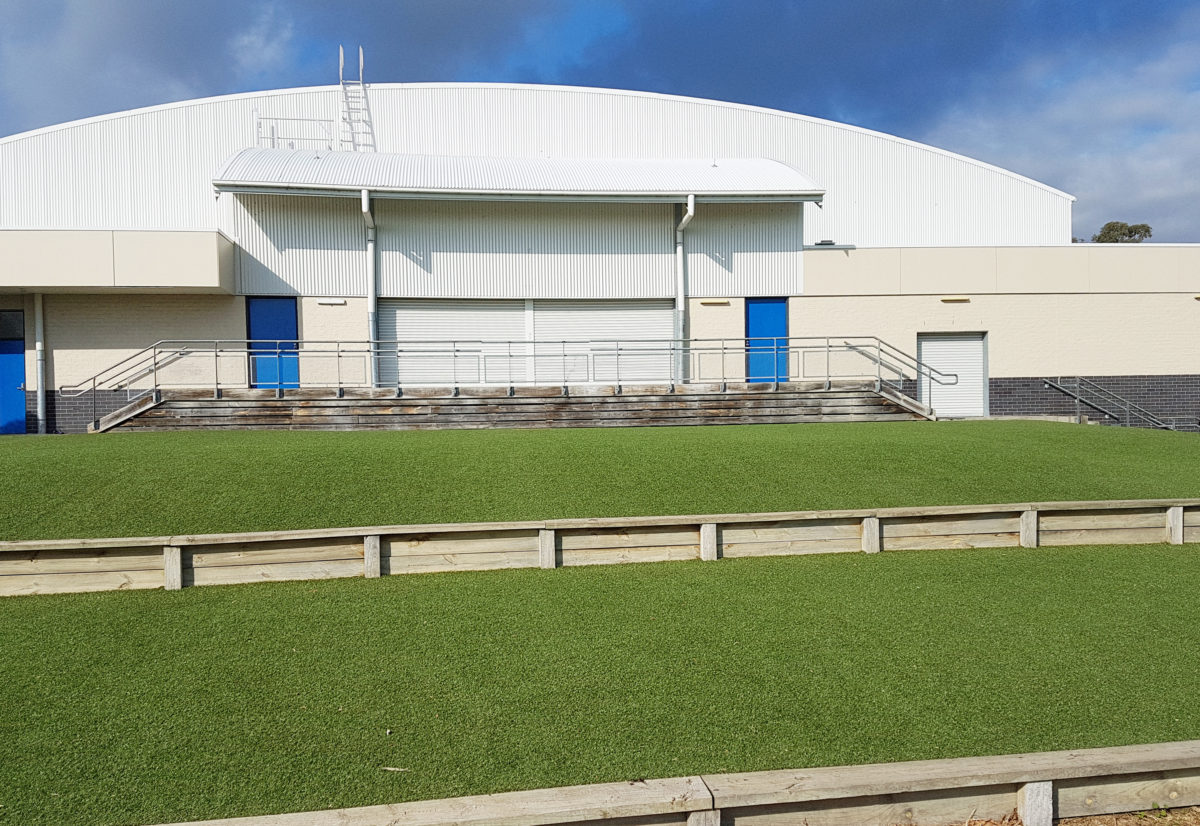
{"points": [[298, 246], [745, 250], [457, 249], [151, 169], [444, 249]]}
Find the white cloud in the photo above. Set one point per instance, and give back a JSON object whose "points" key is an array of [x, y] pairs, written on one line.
{"points": [[86, 60], [266, 45], [75, 58], [1119, 130]]}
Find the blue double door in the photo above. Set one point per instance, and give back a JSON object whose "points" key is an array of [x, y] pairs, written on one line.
{"points": [[273, 330], [766, 339], [12, 371]]}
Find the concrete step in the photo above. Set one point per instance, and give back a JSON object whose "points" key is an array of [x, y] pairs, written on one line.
{"points": [[310, 410]]}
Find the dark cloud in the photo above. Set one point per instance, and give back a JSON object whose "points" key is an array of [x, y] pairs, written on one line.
{"points": [[75, 58]]}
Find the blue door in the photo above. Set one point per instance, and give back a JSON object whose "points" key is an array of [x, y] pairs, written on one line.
{"points": [[12, 371], [766, 339], [272, 329]]}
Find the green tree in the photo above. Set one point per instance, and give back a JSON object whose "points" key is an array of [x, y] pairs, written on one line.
{"points": [[1119, 232]]}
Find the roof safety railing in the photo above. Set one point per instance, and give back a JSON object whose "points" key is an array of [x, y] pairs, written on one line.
{"points": [[295, 133], [218, 365]]}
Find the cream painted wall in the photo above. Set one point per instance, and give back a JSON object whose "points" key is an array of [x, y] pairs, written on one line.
{"points": [[88, 333], [333, 323], [1085, 309], [38, 259], [176, 260], [1079, 268], [99, 260], [1028, 334], [708, 318]]}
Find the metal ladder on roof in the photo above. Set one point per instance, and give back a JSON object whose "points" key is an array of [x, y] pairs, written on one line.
{"points": [[356, 130]]}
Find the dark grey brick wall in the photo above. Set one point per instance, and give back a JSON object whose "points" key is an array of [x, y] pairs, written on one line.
{"points": [[71, 415], [1168, 397]]}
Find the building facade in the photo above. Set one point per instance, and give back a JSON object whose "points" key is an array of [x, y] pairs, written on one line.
{"points": [[512, 235]]}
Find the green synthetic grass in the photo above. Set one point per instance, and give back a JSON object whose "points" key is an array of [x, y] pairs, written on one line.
{"points": [[176, 483], [146, 707]]}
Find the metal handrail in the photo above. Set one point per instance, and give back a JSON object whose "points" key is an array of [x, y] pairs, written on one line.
{"points": [[1107, 397], [910, 362], [219, 364]]}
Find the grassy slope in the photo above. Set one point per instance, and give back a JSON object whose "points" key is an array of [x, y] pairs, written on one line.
{"points": [[150, 706], [151, 484]]}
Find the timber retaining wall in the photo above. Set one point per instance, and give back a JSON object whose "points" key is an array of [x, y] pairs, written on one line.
{"points": [[171, 562], [1038, 787]]}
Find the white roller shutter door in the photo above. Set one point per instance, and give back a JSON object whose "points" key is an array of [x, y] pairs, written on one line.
{"points": [[602, 341], [424, 328], [961, 354], [575, 341]]}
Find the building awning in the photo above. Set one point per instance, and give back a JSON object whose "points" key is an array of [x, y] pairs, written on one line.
{"points": [[300, 171]]}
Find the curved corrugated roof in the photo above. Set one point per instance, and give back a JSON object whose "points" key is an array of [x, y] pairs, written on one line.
{"points": [[633, 93], [491, 178]]}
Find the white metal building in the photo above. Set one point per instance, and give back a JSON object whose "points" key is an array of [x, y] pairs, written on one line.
{"points": [[520, 217]]}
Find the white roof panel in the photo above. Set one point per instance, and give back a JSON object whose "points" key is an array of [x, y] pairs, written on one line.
{"points": [[492, 178]]}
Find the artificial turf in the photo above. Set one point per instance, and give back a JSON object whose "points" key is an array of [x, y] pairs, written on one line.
{"points": [[146, 707], [175, 483]]}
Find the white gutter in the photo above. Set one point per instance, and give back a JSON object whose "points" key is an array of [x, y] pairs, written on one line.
{"points": [[372, 279], [681, 284], [571, 196], [39, 343]]}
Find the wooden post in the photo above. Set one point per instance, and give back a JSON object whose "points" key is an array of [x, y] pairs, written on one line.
{"points": [[1029, 529], [546, 555], [708, 541], [172, 567], [1175, 524], [1035, 803], [708, 817], [870, 535], [371, 564]]}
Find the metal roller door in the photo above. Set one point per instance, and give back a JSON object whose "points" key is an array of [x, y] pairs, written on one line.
{"points": [[501, 342], [962, 354], [450, 342], [602, 341]]}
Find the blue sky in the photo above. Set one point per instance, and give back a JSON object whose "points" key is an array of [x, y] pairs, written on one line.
{"points": [[1098, 98]]}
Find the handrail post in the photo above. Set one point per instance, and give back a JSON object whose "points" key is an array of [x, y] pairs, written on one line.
{"points": [[724, 379], [337, 362], [617, 366], [775, 361], [828, 366], [278, 369], [879, 366]]}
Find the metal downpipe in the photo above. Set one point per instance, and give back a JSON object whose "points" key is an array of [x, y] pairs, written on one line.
{"points": [[39, 343], [372, 285], [680, 328]]}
